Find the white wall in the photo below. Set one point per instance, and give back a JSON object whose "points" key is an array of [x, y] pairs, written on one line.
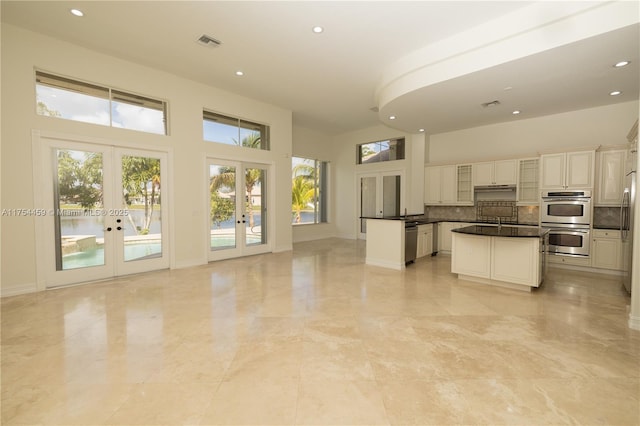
{"points": [[347, 173], [23, 50], [316, 145], [606, 125]]}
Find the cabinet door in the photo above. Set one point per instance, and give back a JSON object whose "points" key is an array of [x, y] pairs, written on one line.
{"points": [[606, 253], [552, 170], [528, 181], [428, 241], [420, 249], [580, 169], [483, 174], [610, 183], [448, 187], [465, 184], [432, 185], [504, 172]]}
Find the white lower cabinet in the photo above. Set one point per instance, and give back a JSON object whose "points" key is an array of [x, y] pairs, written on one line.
{"points": [[504, 261], [471, 255], [425, 240], [606, 249], [444, 234], [515, 260]]}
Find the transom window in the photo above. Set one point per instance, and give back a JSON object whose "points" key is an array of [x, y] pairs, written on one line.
{"points": [[375, 152], [75, 100], [234, 131], [309, 190]]}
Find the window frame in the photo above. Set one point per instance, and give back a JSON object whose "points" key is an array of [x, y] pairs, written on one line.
{"points": [[400, 149], [243, 125], [112, 95]]}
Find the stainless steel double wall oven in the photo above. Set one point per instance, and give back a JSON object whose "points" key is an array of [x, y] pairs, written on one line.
{"points": [[568, 216]]}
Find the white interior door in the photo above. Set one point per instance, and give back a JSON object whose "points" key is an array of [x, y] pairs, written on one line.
{"points": [[106, 212], [237, 203]]}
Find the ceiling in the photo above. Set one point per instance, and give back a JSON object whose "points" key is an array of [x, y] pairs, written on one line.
{"points": [[331, 81]]}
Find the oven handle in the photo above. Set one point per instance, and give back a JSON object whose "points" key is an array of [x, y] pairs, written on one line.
{"points": [[569, 231], [578, 200]]}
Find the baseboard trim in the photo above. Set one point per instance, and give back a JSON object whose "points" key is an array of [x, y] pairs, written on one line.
{"points": [[189, 263], [18, 290], [385, 264], [634, 322]]}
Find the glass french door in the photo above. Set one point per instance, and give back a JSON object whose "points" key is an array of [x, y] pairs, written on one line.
{"points": [[237, 195], [380, 195], [107, 212]]}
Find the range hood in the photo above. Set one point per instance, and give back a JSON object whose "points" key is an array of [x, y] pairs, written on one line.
{"points": [[495, 188], [495, 193]]}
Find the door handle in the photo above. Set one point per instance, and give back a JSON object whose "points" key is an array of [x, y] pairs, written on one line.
{"points": [[107, 229], [119, 228]]}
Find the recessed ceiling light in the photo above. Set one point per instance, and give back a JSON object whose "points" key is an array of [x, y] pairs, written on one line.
{"points": [[421, 130], [392, 117], [516, 112], [239, 73], [615, 93], [76, 12], [317, 29], [621, 64]]}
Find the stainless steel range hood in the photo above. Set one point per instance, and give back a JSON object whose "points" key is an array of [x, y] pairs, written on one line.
{"points": [[495, 192], [495, 188]]}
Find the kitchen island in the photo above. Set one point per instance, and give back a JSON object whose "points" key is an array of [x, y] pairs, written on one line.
{"points": [[505, 256], [387, 240]]}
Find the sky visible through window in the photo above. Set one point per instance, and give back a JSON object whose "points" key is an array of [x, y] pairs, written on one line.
{"points": [[92, 109]]}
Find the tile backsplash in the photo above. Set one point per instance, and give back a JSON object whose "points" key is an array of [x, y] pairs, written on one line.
{"points": [[606, 217], [603, 217], [526, 214], [463, 213]]}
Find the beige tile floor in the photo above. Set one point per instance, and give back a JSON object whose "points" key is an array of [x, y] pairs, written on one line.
{"points": [[315, 336]]}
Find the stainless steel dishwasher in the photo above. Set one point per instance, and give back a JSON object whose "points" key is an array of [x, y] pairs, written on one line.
{"points": [[410, 242]]}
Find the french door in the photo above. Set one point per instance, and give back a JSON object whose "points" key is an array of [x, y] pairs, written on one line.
{"points": [[237, 204], [106, 212], [379, 195]]}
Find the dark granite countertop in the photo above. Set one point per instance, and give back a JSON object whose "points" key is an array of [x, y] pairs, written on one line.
{"points": [[503, 231], [424, 221], [610, 228]]}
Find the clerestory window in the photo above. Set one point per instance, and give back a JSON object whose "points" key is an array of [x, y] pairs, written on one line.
{"points": [[375, 152], [234, 131], [76, 100]]}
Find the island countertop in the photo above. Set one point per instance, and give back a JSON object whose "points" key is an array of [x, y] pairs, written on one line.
{"points": [[503, 231]]}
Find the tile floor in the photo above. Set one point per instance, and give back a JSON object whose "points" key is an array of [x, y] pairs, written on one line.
{"points": [[315, 336]]}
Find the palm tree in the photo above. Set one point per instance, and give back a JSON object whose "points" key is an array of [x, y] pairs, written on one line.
{"points": [[303, 188], [302, 193], [252, 177], [141, 177]]}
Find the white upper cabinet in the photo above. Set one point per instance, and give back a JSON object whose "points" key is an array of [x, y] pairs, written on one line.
{"points": [[528, 191], [610, 178], [448, 185], [570, 170], [465, 184], [495, 173], [440, 185]]}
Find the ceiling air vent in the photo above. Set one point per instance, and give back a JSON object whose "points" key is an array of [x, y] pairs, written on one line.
{"points": [[490, 104], [208, 41]]}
